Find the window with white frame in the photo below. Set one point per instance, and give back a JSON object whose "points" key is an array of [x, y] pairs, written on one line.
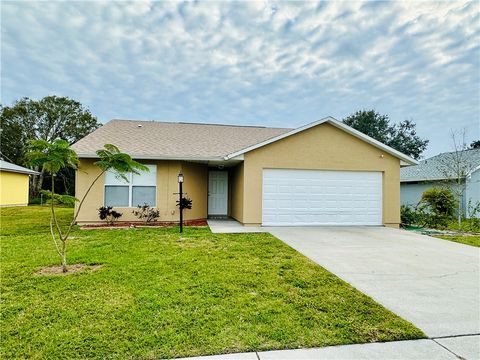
{"points": [[138, 190]]}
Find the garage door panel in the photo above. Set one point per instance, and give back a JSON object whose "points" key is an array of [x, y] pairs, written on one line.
{"points": [[317, 197]]}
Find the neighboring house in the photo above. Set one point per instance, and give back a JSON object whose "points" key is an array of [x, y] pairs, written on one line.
{"points": [[321, 173], [428, 173], [14, 184]]}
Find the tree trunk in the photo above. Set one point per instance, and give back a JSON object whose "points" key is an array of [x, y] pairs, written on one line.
{"points": [[37, 182], [63, 252], [64, 256], [460, 212]]}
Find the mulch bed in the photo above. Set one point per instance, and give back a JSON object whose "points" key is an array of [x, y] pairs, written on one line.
{"points": [[127, 225], [71, 269]]}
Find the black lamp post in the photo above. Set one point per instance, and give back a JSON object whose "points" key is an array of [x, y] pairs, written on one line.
{"points": [[180, 183]]}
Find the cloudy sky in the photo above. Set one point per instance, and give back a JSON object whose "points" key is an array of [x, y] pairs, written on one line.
{"points": [[267, 63]]}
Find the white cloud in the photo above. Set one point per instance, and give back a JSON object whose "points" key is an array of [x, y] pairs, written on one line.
{"points": [[265, 62]]}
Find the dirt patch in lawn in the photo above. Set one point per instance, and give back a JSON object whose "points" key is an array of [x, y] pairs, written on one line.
{"points": [[71, 269]]}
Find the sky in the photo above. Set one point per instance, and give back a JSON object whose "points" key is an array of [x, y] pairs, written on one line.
{"points": [[281, 64]]}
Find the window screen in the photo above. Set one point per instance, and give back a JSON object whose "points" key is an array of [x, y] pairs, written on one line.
{"points": [[116, 195], [142, 195]]}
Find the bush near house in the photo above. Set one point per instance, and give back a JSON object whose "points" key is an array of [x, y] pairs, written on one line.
{"points": [[109, 215], [409, 215], [438, 206], [435, 210], [146, 213]]}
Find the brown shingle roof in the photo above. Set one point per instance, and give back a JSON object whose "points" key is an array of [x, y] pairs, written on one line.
{"points": [[151, 139]]}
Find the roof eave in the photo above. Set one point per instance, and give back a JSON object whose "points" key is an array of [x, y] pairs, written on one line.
{"points": [[158, 157], [405, 158], [425, 180], [31, 172]]}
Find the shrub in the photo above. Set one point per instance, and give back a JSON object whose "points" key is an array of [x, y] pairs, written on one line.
{"points": [[146, 213], [58, 199], [185, 203], [409, 215], [473, 210], [35, 201], [440, 201], [108, 214], [437, 206]]}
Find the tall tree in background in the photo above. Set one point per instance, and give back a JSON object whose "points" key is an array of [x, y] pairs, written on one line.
{"points": [[48, 119], [475, 144], [402, 137]]}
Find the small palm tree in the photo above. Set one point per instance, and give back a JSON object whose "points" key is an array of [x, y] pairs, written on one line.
{"points": [[56, 155]]}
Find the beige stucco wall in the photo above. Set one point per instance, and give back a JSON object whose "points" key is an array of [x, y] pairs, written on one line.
{"points": [[13, 189], [323, 147], [236, 191], [195, 186]]}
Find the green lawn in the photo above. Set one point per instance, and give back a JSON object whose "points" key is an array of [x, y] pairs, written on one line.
{"points": [[473, 240], [470, 225], [157, 296]]}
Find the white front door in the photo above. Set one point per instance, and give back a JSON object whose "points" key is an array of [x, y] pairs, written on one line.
{"points": [[217, 192], [319, 197]]}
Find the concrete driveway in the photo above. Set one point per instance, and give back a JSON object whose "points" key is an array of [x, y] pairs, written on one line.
{"points": [[433, 283]]}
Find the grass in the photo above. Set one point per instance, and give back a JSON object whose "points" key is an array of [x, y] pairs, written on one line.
{"points": [[157, 296], [471, 225], [473, 240]]}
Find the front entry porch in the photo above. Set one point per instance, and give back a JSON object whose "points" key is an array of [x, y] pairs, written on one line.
{"points": [[231, 226]]}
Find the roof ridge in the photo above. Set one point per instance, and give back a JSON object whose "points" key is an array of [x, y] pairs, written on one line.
{"points": [[197, 123], [446, 153]]}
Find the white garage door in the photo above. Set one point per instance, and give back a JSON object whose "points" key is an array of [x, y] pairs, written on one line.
{"points": [[318, 197]]}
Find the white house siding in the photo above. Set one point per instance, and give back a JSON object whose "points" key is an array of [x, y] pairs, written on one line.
{"points": [[472, 191], [411, 193]]}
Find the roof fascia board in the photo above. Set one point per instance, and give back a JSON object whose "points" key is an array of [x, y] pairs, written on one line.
{"points": [[407, 159], [27, 172], [426, 180], [154, 157], [474, 170]]}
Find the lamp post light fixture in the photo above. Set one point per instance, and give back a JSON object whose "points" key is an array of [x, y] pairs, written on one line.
{"points": [[180, 192]]}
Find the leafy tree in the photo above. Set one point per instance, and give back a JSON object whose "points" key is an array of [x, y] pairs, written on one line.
{"points": [[48, 119], [456, 166], [52, 157], [402, 137], [475, 144]]}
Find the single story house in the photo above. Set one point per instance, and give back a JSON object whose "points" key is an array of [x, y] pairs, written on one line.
{"points": [[14, 182], [322, 173], [433, 172]]}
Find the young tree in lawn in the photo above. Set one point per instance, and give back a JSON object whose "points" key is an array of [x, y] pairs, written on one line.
{"points": [[456, 166], [54, 156], [402, 137]]}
